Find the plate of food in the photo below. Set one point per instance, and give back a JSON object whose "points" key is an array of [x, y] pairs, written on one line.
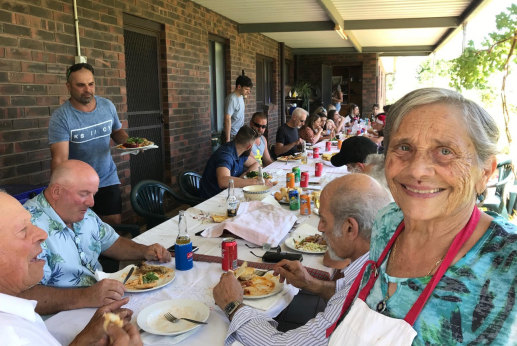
{"points": [[312, 244], [257, 284], [136, 143], [290, 158], [282, 196], [152, 318], [145, 277], [254, 174]]}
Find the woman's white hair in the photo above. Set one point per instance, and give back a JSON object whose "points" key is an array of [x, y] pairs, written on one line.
{"points": [[481, 127]]}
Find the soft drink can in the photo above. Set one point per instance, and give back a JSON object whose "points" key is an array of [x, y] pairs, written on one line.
{"points": [[316, 153], [318, 169], [328, 146], [305, 205], [296, 171], [289, 180], [294, 200], [229, 252], [358, 132], [304, 179], [339, 144]]}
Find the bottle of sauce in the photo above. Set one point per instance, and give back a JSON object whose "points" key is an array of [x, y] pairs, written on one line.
{"points": [[232, 203], [183, 247]]}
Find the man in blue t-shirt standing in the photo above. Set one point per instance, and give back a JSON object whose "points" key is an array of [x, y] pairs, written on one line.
{"points": [[81, 129], [234, 107], [231, 159]]}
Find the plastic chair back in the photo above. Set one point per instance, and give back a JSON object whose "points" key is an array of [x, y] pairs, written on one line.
{"points": [[147, 199], [189, 185]]}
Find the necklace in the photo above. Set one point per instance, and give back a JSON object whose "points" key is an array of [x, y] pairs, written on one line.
{"points": [[381, 306]]}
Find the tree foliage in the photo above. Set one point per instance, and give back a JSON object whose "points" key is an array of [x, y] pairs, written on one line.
{"points": [[472, 69]]}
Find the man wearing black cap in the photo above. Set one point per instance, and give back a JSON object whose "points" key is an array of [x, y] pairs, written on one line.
{"points": [[354, 151]]}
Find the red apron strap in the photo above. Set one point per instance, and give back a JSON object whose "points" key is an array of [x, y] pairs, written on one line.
{"points": [[455, 247], [350, 296], [366, 289], [357, 282]]}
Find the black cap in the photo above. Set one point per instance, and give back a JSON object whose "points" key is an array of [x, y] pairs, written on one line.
{"points": [[354, 149]]}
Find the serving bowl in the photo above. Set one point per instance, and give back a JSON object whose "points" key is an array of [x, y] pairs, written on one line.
{"points": [[255, 192]]}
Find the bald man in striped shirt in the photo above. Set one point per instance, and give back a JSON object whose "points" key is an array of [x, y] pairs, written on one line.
{"points": [[348, 206]]}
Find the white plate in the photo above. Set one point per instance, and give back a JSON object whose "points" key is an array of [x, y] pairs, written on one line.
{"points": [[289, 242], [278, 288], [121, 275], [150, 146], [152, 320], [327, 163]]}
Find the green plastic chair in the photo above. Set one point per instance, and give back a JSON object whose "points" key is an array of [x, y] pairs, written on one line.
{"points": [[147, 199], [189, 185]]}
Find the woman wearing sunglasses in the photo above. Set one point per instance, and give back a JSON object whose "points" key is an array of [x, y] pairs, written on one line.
{"points": [[259, 150]]}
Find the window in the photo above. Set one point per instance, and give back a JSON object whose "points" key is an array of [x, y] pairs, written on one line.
{"points": [[264, 88], [216, 55]]}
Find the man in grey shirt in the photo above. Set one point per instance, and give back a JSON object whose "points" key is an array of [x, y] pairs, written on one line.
{"points": [[234, 108], [348, 206], [81, 129]]}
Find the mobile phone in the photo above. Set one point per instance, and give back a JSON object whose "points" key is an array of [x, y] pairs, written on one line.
{"points": [[194, 248]]}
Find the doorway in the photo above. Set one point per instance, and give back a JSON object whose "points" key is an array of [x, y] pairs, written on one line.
{"points": [[144, 111]]}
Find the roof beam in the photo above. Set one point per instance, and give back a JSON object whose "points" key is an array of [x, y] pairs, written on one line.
{"points": [[385, 50], [286, 27], [474, 7], [336, 17], [402, 23]]}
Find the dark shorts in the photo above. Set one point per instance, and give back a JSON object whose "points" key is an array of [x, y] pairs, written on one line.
{"points": [[108, 201]]}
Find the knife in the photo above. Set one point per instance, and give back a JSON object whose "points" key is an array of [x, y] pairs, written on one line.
{"points": [[128, 275]]}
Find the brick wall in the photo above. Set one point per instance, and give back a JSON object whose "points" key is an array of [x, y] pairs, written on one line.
{"points": [[38, 43], [309, 69]]}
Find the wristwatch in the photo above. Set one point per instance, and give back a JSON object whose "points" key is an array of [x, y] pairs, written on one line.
{"points": [[231, 307]]}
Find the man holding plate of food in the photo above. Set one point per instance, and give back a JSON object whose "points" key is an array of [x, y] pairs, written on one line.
{"points": [[81, 129]]}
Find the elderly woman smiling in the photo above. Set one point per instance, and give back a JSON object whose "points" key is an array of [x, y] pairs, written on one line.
{"points": [[441, 271]]}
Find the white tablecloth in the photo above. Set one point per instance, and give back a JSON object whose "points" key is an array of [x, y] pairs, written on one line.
{"points": [[192, 284]]}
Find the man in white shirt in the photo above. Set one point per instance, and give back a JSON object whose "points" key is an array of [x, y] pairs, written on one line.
{"points": [[20, 269], [348, 206]]}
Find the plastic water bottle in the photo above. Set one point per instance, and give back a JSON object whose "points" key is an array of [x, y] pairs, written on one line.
{"points": [[183, 247]]}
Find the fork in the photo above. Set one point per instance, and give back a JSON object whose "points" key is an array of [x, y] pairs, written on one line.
{"points": [[171, 318]]}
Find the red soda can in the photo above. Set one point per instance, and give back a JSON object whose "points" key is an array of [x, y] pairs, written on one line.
{"points": [[229, 251], [304, 179], [358, 132], [327, 146], [316, 153], [319, 169]]}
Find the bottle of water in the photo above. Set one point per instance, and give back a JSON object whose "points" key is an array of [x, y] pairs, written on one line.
{"points": [[232, 203], [183, 247], [260, 177]]}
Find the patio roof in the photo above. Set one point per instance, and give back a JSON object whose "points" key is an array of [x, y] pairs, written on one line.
{"points": [[386, 27]]}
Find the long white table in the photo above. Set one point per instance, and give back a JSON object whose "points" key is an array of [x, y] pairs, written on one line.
{"points": [[198, 283]]}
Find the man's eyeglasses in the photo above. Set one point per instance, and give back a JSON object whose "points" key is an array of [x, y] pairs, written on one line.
{"points": [[259, 126], [77, 67]]}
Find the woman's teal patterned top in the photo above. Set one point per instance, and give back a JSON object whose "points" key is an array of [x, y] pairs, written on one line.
{"points": [[474, 302]]}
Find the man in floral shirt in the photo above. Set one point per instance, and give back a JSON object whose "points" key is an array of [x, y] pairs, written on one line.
{"points": [[76, 238]]}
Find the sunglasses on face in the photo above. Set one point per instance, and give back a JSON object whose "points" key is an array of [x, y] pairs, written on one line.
{"points": [[259, 126]]}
